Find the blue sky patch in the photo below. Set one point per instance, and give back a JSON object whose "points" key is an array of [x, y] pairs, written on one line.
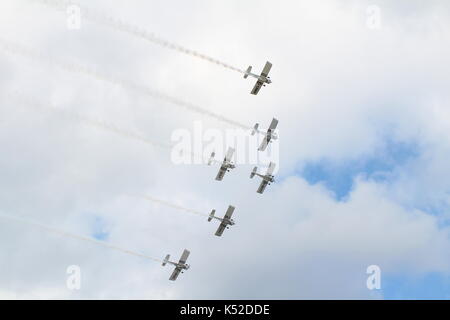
{"points": [[100, 229], [430, 286], [339, 177]]}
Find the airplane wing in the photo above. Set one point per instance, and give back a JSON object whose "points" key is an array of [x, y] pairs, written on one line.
{"points": [[257, 86], [229, 212], [184, 256], [229, 155], [264, 143], [175, 274], [221, 173], [266, 69], [220, 230], [262, 186], [273, 124], [270, 169]]}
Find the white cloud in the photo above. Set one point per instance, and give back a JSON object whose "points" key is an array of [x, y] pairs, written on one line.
{"points": [[338, 89]]}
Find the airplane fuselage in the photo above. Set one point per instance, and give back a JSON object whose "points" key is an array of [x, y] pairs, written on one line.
{"points": [[228, 165], [271, 135], [225, 221], [261, 78], [183, 266], [228, 222], [268, 178]]}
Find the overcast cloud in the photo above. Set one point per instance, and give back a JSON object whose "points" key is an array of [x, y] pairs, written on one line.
{"points": [[348, 97]]}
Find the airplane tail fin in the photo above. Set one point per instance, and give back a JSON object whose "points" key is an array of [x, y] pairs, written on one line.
{"points": [[211, 158], [211, 215], [253, 172], [247, 72], [166, 259], [255, 128]]}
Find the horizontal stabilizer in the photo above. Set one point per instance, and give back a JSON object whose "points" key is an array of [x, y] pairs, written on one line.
{"points": [[253, 172], [166, 259], [255, 128], [211, 215], [211, 158], [247, 72]]}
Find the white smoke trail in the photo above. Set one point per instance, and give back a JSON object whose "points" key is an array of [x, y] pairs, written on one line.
{"points": [[129, 28], [14, 48], [169, 204], [75, 236], [98, 123], [83, 119]]}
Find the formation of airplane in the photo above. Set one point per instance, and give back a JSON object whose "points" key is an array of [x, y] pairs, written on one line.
{"points": [[262, 79], [268, 136], [268, 178], [180, 266], [226, 165], [225, 222]]}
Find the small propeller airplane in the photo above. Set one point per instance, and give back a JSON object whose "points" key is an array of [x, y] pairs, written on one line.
{"points": [[267, 178], [224, 222], [269, 135], [226, 165], [262, 79], [179, 266]]}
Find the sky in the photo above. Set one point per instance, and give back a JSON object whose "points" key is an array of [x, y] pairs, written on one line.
{"points": [[360, 89]]}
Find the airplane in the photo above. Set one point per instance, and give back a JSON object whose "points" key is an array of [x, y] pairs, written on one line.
{"points": [[262, 79], [179, 266], [226, 165], [269, 135], [224, 222], [267, 178]]}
